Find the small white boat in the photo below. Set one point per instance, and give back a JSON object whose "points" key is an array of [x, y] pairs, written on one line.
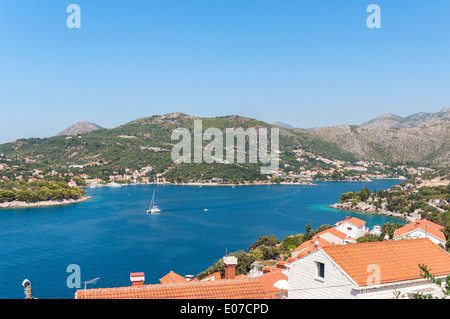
{"points": [[153, 208], [114, 184], [206, 209]]}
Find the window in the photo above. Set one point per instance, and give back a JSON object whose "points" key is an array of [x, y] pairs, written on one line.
{"points": [[320, 270], [349, 228]]}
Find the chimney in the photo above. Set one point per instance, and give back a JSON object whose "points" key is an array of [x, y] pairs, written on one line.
{"points": [[281, 264], [230, 267], [347, 217], [28, 289], [137, 279]]}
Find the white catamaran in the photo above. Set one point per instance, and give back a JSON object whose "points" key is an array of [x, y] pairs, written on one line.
{"points": [[153, 209]]}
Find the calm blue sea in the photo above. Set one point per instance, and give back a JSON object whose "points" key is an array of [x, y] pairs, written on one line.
{"points": [[111, 235]]}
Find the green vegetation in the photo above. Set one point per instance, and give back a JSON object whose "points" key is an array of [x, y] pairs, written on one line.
{"points": [[430, 203], [426, 273], [386, 229], [147, 141], [243, 266], [267, 248], [264, 249], [37, 191]]}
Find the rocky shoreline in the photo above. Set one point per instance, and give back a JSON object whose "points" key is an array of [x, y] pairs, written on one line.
{"points": [[364, 207], [17, 204]]}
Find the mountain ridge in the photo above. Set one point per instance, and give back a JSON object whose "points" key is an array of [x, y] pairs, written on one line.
{"points": [[389, 120], [79, 128], [149, 138]]}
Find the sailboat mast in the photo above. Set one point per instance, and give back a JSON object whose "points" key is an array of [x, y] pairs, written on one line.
{"points": [[153, 200]]}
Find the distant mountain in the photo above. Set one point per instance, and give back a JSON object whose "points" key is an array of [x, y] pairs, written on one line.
{"points": [[282, 124], [147, 141], [79, 128], [415, 120], [428, 145]]}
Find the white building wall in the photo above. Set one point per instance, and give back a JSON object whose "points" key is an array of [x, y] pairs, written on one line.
{"points": [[349, 229], [332, 238], [405, 290], [419, 233], [303, 283]]}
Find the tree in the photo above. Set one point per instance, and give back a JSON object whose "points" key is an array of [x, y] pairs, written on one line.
{"points": [[308, 232], [243, 266], [364, 194], [292, 241], [267, 251], [425, 273], [7, 196], [389, 229], [265, 240], [368, 238], [257, 253]]}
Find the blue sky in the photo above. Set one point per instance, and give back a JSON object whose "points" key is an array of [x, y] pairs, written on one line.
{"points": [[308, 63]]}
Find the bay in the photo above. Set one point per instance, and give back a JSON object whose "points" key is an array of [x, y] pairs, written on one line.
{"points": [[110, 235]]}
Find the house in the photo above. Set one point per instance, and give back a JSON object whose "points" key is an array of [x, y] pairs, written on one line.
{"points": [[94, 182], [173, 278], [72, 183], [376, 230], [250, 288], [374, 270], [325, 238], [422, 228], [333, 236], [310, 246], [174, 286], [352, 227]]}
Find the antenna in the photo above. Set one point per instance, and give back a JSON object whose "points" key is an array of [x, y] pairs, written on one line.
{"points": [[226, 252], [92, 281]]}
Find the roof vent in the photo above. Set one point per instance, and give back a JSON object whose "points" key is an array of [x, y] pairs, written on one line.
{"points": [[137, 279]]}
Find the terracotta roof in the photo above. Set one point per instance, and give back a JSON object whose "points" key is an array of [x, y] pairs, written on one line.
{"points": [[172, 278], [354, 221], [268, 269], [334, 232], [423, 224], [281, 264], [269, 279], [214, 276], [310, 246], [398, 259], [250, 288]]}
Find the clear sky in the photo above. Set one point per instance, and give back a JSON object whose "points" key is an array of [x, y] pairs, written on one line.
{"points": [[308, 63]]}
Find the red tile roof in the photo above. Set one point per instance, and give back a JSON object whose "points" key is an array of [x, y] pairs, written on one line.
{"points": [[250, 288], [398, 259], [269, 279], [423, 224], [354, 221], [214, 276], [334, 232], [310, 246], [172, 278]]}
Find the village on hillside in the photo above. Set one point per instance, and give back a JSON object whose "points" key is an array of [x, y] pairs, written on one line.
{"points": [[333, 263], [297, 166]]}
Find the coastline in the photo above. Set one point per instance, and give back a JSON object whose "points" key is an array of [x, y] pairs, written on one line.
{"points": [[311, 183], [362, 207], [16, 204]]}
